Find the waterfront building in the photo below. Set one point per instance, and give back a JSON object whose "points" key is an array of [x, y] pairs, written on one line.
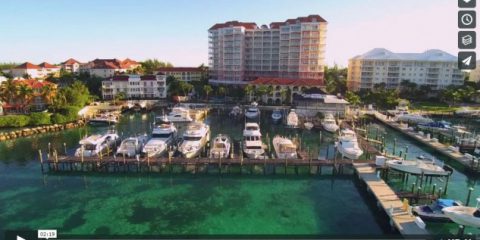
{"points": [[38, 100], [30, 70], [48, 69], [475, 74], [71, 65], [243, 51], [434, 68], [106, 68], [135, 86], [187, 74]]}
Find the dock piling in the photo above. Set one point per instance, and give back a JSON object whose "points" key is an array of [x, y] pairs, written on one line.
{"points": [[470, 190]]}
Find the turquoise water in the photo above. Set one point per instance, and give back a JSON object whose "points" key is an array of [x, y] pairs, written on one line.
{"points": [[179, 204], [459, 183]]}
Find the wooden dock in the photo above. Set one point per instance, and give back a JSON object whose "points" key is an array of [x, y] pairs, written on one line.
{"points": [[469, 164], [388, 200]]}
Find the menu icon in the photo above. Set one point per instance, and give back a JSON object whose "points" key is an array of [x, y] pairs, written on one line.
{"points": [[467, 60], [467, 3], [467, 19], [467, 40]]}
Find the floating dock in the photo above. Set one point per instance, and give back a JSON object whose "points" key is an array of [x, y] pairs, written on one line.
{"points": [[388, 200], [470, 164]]}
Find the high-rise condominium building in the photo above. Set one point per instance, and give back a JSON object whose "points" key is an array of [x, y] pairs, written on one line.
{"points": [[242, 51], [434, 68]]}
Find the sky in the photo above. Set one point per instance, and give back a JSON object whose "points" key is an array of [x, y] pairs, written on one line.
{"points": [[176, 30]]}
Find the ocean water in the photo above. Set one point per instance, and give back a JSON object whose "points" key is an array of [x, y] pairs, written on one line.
{"points": [[178, 204]]}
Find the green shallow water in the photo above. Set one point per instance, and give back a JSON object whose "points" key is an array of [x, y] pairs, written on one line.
{"points": [[179, 204]]}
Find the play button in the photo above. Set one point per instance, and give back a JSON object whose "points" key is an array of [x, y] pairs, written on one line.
{"points": [[20, 238]]}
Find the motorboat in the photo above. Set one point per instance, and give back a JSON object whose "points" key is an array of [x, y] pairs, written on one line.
{"points": [[439, 126], [252, 141], [465, 111], [276, 115], [194, 140], [164, 135], [329, 123], [104, 119], [179, 114], [433, 212], [97, 144], [417, 167], [221, 146], [413, 118], [292, 119], [348, 145], [463, 215], [252, 112], [131, 146], [236, 112], [308, 125], [284, 148]]}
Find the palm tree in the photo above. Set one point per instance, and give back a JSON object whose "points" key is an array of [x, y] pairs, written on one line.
{"points": [[207, 89], [25, 94], [48, 92], [8, 90], [249, 90], [222, 91], [283, 94], [261, 91]]}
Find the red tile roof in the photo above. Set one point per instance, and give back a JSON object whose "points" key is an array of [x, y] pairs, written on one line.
{"points": [[273, 25], [287, 81], [33, 83], [47, 65], [27, 65], [70, 61], [179, 69], [112, 63]]}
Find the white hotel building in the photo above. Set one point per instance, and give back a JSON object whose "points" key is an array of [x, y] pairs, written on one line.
{"points": [[135, 86], [435, 68], [242, 51]]}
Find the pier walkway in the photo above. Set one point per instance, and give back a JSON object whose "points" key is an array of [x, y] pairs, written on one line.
{"points": [[388, 200], [470, 164]]}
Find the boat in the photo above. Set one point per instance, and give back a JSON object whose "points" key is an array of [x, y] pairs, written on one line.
{"points": [[465, 111], [194, 139], [348, 145], [292, 119], [463, 215], [104, 119], [221, 146], [439, 126], [131, 146], [417, 167], [179, 114], [97, 144], [308, 125], [433, 212], [284, 148], [252, 112], [276, 115], [329, 123], [252, 141], [413, 118], [236, 112], [164, 136]]}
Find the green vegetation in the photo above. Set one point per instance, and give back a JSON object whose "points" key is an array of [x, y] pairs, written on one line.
{"points": [[40, 118], [336, 79], [150, 66], [14, 121]]}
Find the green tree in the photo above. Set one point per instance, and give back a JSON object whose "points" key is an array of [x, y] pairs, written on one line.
{"points": [[185, 87], [352, 98], [335, 79], [261, 91], [249, 89], [207, 89], [150, 66], [8, 90]]}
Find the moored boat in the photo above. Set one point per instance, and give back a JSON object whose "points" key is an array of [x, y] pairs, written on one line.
{"points": [[292, 119], [164, 136], [276, 115], [463, 215], [417, 167], [194, 139], [348, 145], [179, 114], [252, 112], [252, 141], [329, 123], [433, 212], [131, 146], [221, 146], [413, 118], [104, 119], [236, 112], [97, 144], [284, 148], [308, 125]]}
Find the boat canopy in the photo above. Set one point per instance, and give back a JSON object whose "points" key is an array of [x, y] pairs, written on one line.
{"points": [[446, 203]]}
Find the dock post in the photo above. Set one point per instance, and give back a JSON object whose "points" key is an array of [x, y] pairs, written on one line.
{"points": [[285, 166], [40, 157], [446, 185], [439, 193], [413, 187], [394, 146], [461, 230], [470, 190], [219, 164], [65, 148], [264, 166], [406, 153], [321, 137], [421, 179], [49, 148], [433, 189]]}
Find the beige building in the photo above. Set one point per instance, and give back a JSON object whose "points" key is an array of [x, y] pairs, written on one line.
{"points": [[475, 74], [434, 68], [241, 51], [106, 68], [34, 71], [135, 86], [71, 65], [182, 73]]}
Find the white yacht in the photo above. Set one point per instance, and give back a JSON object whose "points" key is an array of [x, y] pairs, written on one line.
{"points": [[235, 112], [292, 119], [97, 144], [131, 146], [467, 112], [104, 119], [348, 145], [413, 118], [195, 138], [276, 115], [164, 135], [252, 112], [329, 123], [284, 148], [308, 125], [463, 215], [252, 141], [179, 114], [417, 167], [221, 146]]}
